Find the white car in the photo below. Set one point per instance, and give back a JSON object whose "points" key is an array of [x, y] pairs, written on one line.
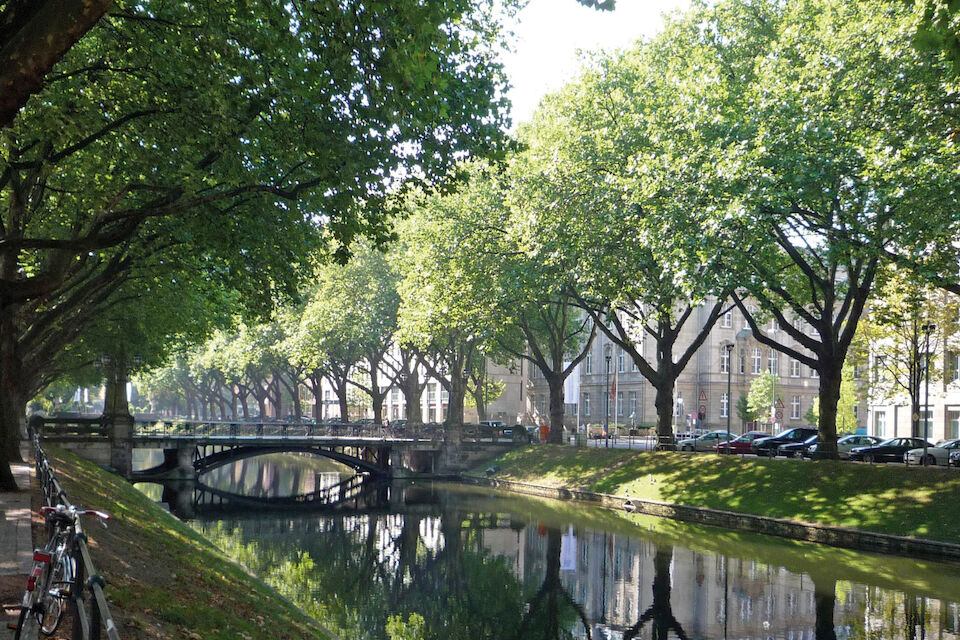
{"points": [[938, 455], [706, 442], [846, 443]]}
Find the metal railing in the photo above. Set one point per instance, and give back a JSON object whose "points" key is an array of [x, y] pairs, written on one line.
{"points": [[416, 433], [85, 428], [91, 615]]}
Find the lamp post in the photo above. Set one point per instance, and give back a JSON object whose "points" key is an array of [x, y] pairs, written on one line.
{"points": [[606, 408], [927, 330], [729, 350]]}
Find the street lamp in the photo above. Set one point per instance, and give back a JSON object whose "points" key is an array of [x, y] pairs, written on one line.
{"points": [[728, 348], [606, 409], [927, 330]]}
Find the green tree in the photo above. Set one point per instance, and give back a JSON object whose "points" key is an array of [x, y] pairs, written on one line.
{"points": [[744, 412], [809, 98], [760, 398], [895, 341], [175, 125], [600, 209]]}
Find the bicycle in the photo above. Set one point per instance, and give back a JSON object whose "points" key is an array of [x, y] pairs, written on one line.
{"points": [[52, 580]]}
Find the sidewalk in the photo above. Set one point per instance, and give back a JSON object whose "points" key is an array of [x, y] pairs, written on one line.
{"points": [[16, 545]]}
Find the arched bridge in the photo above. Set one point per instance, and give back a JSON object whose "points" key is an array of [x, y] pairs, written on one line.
{"points": [[192, 448]]}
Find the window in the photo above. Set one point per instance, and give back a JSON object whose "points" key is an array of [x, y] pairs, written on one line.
{"points": [[633, 366], [620, 406], [633, 404], [953, 424], [953, 367], [856, 411], [774, 325], [794, 368], [724, 361], [588, 364], [880, 423], [724, 405], [773, 362], [586, 404], [795, 407], [926, 423], [878, 363], [743, 364], [856, 371], [814, 373], [727, 320], [757, 360], [620, 361]]}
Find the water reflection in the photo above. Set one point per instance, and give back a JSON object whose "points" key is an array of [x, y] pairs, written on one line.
{"points": [[477, 565]]}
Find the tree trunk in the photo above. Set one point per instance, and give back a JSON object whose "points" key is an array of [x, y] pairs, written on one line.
{"points": [[376, 397], [663, 401], [412, 390], [344, 407], [276, 391], [479, 399], [12, 403], [556, 409], [830, 378], [825, 600]]}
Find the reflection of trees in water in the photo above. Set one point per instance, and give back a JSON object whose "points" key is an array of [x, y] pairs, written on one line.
{"points": [[660, 612], [351, 573], [552, 611]]}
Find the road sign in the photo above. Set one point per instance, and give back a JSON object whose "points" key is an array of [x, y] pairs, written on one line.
{"points": [[703, 396], [779, 403], [703, 408], [779, 415]]}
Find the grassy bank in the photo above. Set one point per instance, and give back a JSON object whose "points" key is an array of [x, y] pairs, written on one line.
{"points": [[164, 579], [891, 499]]}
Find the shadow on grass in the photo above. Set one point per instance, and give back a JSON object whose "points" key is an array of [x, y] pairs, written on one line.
{"points": [[890, 499]]}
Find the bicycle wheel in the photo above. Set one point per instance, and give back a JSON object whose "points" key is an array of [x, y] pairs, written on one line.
{"points": [[50, 609]]}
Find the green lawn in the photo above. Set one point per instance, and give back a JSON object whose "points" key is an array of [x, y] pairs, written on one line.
{"points": [[884, 498], [163, 579]]}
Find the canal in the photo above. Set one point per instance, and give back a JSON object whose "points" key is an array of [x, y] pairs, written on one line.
{"points": [[428, 560]]}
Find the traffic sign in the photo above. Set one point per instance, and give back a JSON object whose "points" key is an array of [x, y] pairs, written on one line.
{"points": [[703, 396], [779, 403], [779, 415], [703, 408]]}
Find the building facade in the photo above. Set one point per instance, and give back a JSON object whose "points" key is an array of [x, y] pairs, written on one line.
{"points": [[700, 396]]}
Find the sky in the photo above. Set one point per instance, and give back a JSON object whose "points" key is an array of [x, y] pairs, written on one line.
{"points": [[550, 32]]}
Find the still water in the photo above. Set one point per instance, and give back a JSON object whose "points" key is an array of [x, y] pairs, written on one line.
{"points": [[424, 560]]}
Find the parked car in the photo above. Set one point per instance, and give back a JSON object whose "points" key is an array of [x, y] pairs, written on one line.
{"points": [[741, 444], [500, 427], [846, 444], [955, 458], [797, 449], [769, 446], [891, 450], [938, 455], [706, 442]]}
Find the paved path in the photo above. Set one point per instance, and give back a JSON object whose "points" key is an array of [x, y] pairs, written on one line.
{"points": [[16, 545]]}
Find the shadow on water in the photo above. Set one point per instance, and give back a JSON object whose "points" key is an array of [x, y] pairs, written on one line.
{"points": [[471, 563]]}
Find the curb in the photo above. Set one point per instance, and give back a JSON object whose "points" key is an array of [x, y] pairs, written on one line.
{"points": [[834, 536]]}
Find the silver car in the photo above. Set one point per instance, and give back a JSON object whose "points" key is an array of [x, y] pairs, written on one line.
{"points": [[938, 455], [846, 443], [706, 442]]}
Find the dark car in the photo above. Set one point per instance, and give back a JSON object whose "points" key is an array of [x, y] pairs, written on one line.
{"points": [[800, 449], [769, 446], [891, 450]]}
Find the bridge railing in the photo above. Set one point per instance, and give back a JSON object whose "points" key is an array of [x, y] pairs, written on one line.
{"points": [[68, 428], [417, 433]]}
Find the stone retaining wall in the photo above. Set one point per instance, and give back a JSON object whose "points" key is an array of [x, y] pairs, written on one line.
{"points": [[821, 534]]}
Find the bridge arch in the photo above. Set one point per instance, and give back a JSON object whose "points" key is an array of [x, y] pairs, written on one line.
{"points": [[204, 463]]}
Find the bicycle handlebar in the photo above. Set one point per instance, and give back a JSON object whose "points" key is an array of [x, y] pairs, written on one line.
{"points": [[73, 512]]}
